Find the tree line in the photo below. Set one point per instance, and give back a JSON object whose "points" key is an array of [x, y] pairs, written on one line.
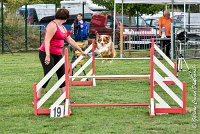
{"points": [[129, 9]]}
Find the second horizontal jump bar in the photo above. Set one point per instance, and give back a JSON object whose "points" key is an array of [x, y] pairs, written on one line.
{"points": [[106, 105], [112, 76], [147, 58]]}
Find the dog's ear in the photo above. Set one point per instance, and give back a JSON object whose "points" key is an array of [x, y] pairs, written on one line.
{"points": [[107, 38], [99, 39], [97, 36]]}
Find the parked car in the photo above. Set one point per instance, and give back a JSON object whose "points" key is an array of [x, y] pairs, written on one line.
{"points": [[36, 12], [31, 14], [69, 22], [87, 17], [103, 24], [192, 19]]}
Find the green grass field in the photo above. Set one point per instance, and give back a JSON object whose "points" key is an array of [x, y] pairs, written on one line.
{"points": [[18, 72]]}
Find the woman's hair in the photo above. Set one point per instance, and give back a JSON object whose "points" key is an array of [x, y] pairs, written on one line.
{"points": [[80, 14], [62, 14]]}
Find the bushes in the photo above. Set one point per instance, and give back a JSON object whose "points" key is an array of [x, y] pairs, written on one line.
{"points": [[14, 32]]}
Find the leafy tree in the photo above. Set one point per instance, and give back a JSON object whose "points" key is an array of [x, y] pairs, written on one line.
{"points": [[130, 9], [16, 3], [193, 8]]}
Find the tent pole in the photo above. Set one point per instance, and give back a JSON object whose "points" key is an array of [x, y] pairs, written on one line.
{"points": [[184, 26], [122, 11], [114, 23], [189, 18], [172, 33], [121, 31]]}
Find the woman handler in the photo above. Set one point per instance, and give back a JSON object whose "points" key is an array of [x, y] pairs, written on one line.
{"points": [[51, 49]]}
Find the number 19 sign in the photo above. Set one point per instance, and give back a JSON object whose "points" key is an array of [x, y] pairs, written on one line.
{"points": [[57, 111]]}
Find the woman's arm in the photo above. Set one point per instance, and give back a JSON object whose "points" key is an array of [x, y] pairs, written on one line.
{"points": [[73, 43], [50, 31]]}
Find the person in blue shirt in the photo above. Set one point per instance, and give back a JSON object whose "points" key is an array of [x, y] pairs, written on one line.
{"points": [[80, 30]]}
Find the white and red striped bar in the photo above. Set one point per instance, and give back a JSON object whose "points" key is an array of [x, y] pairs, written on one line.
{"points": [[44, 111], [93, 63], [169, 110], [144, 78], [166, 82], [67, 110], [145, 58], [81, 83], [173, 65], [108, 105], [35, 99], [112, 76], [152, 106], [184, 97]]}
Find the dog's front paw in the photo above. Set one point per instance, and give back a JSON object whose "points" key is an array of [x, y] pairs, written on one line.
{"points": [[97, 51]]}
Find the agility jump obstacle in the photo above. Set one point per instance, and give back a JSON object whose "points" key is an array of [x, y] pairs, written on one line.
{"points": [[85, 82], [155, 80]]}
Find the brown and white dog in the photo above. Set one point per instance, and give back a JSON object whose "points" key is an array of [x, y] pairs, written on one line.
{"points": [[105, 46]]}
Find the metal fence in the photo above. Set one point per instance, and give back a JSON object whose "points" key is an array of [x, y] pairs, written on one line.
{"points": [[187, 41], [36, 34], [187, 44], [20, 26], [138, 40], [135, 39]]}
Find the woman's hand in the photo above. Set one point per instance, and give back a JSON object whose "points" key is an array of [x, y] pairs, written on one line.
{"points": [[47, 60], [75, 45], [83, 54]]}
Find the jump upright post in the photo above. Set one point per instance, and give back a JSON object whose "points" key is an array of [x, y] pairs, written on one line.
{"points": [[157, 80]]}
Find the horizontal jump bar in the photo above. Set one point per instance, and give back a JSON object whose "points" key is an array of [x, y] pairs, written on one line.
{"points": [[106, 105], [146, 58], [144, 78], [112, 76]]}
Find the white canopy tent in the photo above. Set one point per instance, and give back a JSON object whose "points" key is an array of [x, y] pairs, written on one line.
{"points": [[172, 2], [159, 1]]}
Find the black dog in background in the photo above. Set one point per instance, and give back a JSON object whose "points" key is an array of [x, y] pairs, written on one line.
{"points": [[189, 37]]}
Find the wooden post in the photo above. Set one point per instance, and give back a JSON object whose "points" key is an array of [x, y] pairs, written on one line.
{"points": [[121, 40]]}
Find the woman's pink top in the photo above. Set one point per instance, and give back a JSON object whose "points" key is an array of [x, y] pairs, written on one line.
{"points": [[57, 42]]}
